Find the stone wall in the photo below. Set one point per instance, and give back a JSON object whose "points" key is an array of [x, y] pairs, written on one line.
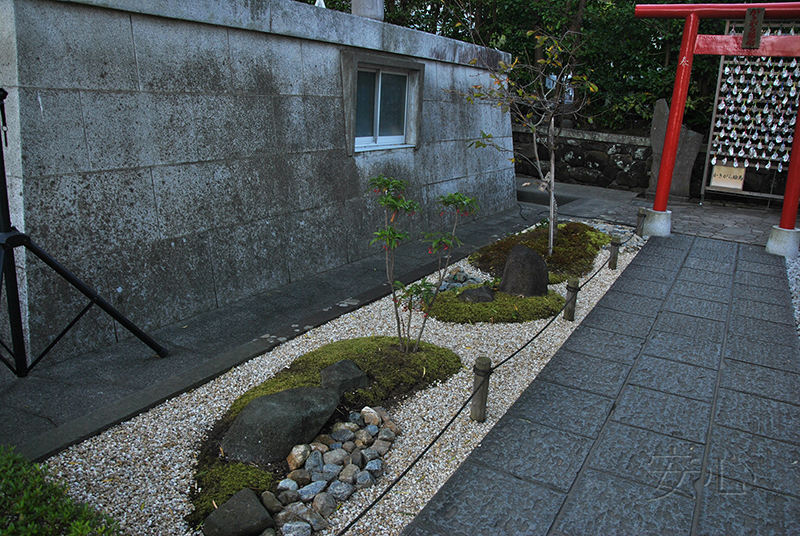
{"points": [[590, 158], [180, 155]]}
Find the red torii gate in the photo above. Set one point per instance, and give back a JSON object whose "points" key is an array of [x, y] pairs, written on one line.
{"points": [[785, 239]]}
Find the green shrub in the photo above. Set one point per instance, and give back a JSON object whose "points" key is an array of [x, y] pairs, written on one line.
{"points": [[30, 504], [504, 308], [220, 480], [576, 246]]}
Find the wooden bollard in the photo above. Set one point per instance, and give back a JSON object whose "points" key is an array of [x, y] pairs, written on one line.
{"points": [[640, 221], [482, 369], [573, 286], [612, 260]]}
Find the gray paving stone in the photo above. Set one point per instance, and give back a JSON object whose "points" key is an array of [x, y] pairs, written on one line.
{"points": [[716, 265], [667, 414], [710, 255], [767, 270], [564, 408], [674, 377], [676, 241], [706, 278], [630, 302], [633, 274], [763, 281], [671, 262], [605, 344], [767, 354], [698, 352], [665, 463], [599, 376], [648, 289], [753, 253], [539, 454], [755, 460], [711, 310], [701, 291], [764, 330], [718, 246], [690, 326], [620, 322], [763, 311], [605, 505], [477, 500], [758, 415], [762, 294], [762, 381], [737, 508]]}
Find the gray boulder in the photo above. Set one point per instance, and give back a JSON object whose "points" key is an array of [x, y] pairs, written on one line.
{"points": [[269, 426], [242, 515], [525, 273], [480, 294], [343, 376]]}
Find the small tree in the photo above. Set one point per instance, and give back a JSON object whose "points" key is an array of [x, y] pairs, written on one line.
{"points": [[421, 295], [536, 93]]}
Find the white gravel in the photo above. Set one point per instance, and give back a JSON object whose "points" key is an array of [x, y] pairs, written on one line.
{"points": [[140, 471]]}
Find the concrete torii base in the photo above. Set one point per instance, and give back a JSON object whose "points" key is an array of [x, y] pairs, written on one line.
{"points": [[657, 223], [785, 242]]}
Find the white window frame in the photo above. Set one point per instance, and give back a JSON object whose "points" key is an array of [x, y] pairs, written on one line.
{"points": [[376, 140], [352, 62]]}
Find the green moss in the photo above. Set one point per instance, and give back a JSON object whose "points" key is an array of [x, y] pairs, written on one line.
{"points": [[391, 373], [504, 308], [576, 246], [32, 504], [220, 480]]}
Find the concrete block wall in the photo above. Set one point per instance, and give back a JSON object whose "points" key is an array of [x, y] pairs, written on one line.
{"points": [[178, 156]]}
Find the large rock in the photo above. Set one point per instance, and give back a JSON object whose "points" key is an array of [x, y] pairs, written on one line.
{"points": [[269, 426], [689, 144], [343, 376], [242, 515], [525, 273]]}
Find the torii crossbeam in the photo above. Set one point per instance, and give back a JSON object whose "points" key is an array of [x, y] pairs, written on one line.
{"points": [[784, 239]]}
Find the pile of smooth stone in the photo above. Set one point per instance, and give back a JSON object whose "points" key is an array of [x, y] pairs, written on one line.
{"points": [[322, 474]]}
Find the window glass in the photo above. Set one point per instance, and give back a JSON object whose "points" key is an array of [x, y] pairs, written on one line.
{"points": [[365, 104], [392, 105]]}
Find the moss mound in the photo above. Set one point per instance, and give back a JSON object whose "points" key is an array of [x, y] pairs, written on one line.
{"points": [[576, 246], [505, 308], [392, 375]]}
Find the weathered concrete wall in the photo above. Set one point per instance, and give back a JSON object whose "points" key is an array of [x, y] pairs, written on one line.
{"points": [[178, 156], [592, 158]]}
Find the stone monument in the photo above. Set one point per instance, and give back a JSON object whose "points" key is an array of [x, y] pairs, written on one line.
{"points": [[688, 148]]}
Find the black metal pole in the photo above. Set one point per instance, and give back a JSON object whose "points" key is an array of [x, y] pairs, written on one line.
{"points": [[9, 268]]}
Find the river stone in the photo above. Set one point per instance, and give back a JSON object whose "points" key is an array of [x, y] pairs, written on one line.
{"points": [[386, 435], [341, 491], [297, 457], [375, 468], [381, 447], [343, 376], [307, 493], [296, 528], [342, 435], [364, 479], [525, 273], [271, 502], [269, 426], [337, 456], [371, 416], [288, 497], [288, 484], [301, 476], [348, 474], [324, 503], [314, 462], [241, 515]]}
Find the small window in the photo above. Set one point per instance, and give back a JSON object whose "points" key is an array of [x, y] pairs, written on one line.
{"points": [[381, 108], [383, 101]]}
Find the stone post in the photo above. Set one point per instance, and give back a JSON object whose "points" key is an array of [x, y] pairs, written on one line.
{"points": [[573, 286], [612, 260], [482, 369]]}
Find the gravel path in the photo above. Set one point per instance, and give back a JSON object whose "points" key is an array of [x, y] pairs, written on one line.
{"points": [[140, 471]]}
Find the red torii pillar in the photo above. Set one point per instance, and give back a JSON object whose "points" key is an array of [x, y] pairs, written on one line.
{"points": [[784, 239]]}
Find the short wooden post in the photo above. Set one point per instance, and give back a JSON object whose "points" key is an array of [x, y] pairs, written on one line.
{"points": [[482, 369], [615, 243], [640, 221], [573, 286]]}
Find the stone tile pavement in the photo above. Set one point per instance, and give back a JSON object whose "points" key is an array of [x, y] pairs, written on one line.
{"points": [[672, 409]]}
